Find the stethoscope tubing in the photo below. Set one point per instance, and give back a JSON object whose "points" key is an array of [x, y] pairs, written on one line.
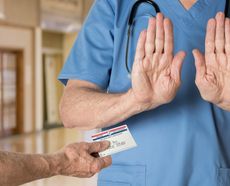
{"points": [[131, 21], [130, 25]]}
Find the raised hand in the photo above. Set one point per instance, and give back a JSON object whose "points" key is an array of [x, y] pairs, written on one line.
{"points": [[213, 68], [156, 73]]}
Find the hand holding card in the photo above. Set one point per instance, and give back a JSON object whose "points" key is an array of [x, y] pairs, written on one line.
{"points": [[120, 140]]}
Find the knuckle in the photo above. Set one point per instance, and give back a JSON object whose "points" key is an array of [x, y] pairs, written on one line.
{"points": [[160, 39], [149, 51], [149, 45], [83, 153], [98, 145], [227, 49], [90, 175], [95, 168], [84, 145], [219, 43], [109, 161], [68, 149]]}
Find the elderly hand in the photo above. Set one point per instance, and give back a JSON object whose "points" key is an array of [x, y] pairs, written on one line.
{"points": [[79, 159], [213, 68], [156, 73]]}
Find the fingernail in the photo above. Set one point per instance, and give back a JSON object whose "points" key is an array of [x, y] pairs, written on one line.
{"points": [[144, 31], [220, 15], [159, 15], [194, 51], [212, 20], [152, 19]]}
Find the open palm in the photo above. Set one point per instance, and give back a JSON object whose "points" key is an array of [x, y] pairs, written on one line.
{"points": [[213, 69], [156, 71]]}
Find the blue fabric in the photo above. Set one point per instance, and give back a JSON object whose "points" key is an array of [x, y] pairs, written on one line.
{"points": [[183, 143]]}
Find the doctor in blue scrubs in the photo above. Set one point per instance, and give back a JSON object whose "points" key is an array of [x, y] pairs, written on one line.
{"points": [[176, 101]]}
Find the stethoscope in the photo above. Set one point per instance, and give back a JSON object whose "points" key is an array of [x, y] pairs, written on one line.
{"points": [[132, 18], [130, 26]]}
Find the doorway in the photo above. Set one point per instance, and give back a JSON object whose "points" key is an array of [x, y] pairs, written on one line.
{"points": [[10, 93]]}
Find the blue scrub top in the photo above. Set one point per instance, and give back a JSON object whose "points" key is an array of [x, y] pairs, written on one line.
{"points": [[183, 143]]}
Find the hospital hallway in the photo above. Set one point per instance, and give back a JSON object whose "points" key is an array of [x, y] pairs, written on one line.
{"points": [[36, 37], [47, 141]]}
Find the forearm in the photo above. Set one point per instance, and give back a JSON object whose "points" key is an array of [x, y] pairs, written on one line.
{"points": [[17, 168], [89, 109]]}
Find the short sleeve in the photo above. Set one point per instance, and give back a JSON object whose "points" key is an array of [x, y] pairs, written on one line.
{"points": [[91, 57]]}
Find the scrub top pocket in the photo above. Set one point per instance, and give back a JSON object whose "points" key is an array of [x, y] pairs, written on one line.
{"points": [[123, 175], [223, 176]]}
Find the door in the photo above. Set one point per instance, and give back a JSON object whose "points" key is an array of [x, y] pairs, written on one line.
{"points": [[8, 93]]}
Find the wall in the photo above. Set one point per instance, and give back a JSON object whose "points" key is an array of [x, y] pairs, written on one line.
{"points": [[25, 15], [86, 7], [69, 39], [22, 12], [20, 39]]}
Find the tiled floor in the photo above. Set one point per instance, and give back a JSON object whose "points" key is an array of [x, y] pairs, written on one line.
{"points": [[46, 142]]}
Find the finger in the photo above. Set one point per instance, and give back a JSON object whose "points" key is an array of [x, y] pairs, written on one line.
{"points": [[107, 161], [98, 146], [177, 66], [140, 50], [227, 36], [97, 165], [150, 39], [199, 63], [101, 163], [85, 175], [210, 36], [159, 33], [220, 29], [168, 29]]}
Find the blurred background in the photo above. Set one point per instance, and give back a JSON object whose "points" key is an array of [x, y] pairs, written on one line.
{"points": [[36, 37]]}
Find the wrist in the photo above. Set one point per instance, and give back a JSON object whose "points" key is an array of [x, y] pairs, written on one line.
{"points": [[136, 105], [224, 105], [54, 161], [223, 102]]}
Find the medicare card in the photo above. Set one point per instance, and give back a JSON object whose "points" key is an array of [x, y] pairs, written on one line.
{"points": [[120, 140]]}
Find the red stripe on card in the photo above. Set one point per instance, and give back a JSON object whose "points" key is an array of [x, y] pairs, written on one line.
{"points": [[100, 134], [118, 128], [111, 130]]}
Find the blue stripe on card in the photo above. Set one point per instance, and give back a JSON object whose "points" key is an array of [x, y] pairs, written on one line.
{"points": [[119, 131]]}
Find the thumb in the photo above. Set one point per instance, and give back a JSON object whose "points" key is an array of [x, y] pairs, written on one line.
{"points": [[177, 65], [199, 63]]}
